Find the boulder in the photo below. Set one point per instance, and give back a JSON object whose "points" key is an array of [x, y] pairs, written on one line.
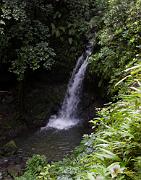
{"points": [[10, 148]]}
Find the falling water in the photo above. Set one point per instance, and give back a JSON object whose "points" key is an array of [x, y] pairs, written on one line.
{"points": [[68, 114]]}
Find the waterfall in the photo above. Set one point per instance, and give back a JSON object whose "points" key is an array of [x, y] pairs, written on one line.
{"points": [[68, 114]]}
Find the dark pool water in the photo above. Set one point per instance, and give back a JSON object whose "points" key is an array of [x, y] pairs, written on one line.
{"points": [[52, 143]]}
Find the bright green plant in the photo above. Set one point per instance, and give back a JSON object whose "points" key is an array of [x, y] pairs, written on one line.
{"points": [[35, 164]]}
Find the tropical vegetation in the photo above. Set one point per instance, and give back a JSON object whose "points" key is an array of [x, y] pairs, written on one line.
{"points": [[113, 150]]}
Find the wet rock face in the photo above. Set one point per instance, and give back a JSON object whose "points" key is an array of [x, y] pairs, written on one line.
{"points": [[43, 101], [40, 101]]}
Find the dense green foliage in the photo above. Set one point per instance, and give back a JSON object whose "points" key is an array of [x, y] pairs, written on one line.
{"points": [[32, 32], [113, 150], [119, 40], [24, 41]]}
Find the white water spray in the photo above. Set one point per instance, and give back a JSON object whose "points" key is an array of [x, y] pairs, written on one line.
{"points": [[67, 116]]}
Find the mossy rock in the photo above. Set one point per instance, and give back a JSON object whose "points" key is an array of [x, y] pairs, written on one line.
{"points": [[10, 148], [15, 170]]}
